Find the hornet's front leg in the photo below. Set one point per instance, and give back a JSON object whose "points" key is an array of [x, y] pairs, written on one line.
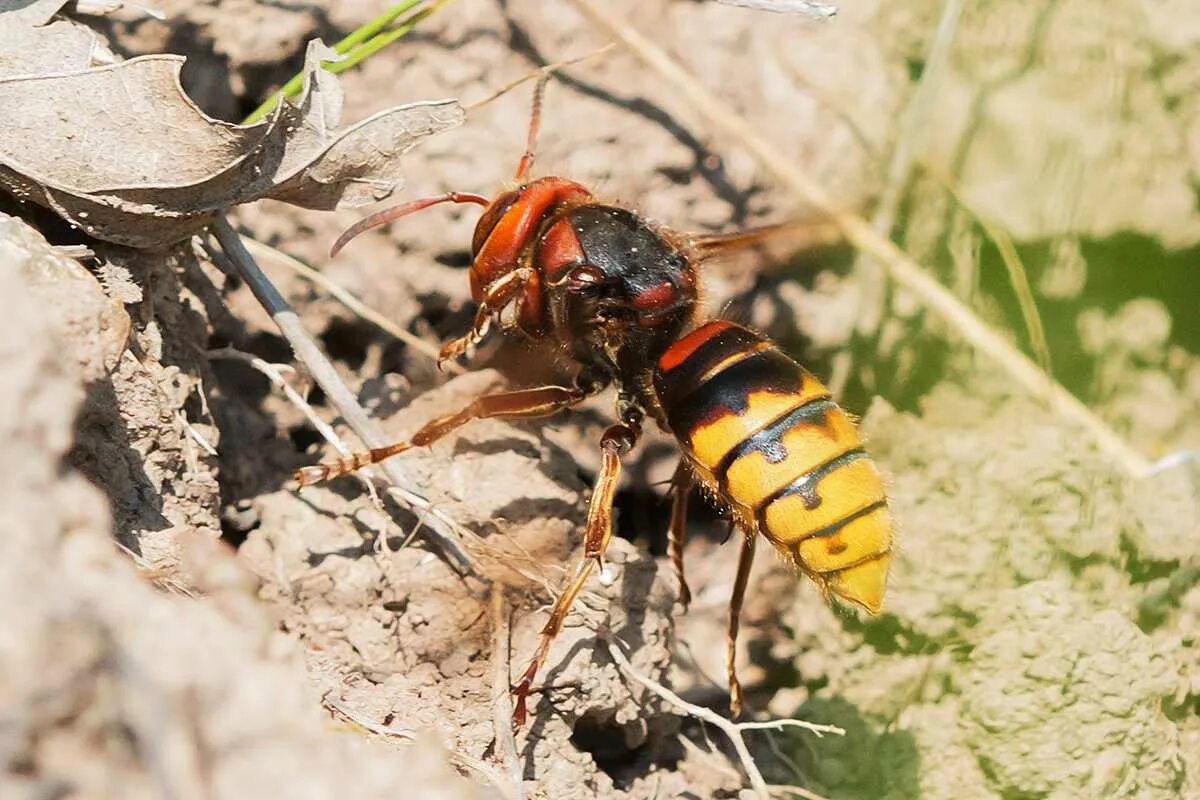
{"points": [[616, 442], [498, 295], [523, 404]]}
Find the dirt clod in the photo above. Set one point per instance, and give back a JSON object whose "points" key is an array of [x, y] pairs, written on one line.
{"points": [[104, 680]]}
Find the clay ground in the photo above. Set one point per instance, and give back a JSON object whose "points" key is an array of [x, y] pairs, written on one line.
{"points": [[179, 621]]}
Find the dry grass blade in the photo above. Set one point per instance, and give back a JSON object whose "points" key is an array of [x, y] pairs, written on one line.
{"points": [[805, 8], [549, 69], [902, 269], [1017, 275], [349, 300], [1019, 279], [732, 730], [506, 743], [795, 791], [369, 725], [440, 529]]}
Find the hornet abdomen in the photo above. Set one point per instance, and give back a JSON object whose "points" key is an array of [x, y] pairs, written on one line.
{"points": [[766, 439]]}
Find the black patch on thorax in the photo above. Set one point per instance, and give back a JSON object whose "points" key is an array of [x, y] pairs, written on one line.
{"points": [[625, 248]]}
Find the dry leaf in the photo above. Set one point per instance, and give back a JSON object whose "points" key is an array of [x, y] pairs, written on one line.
{"points": [[32, 43], [100, 8], [122, 152]]}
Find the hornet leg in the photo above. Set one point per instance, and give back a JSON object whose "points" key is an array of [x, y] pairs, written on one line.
{"points": [[745, 561], [524, 404], [616, 442], [495, 298], [681, 489]]}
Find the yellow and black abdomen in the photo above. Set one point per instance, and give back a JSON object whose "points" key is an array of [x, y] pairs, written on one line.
{"points": [[765, 437]]}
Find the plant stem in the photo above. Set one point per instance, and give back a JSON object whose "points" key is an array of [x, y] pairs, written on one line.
{"points": [[374, 26], [362, 42], [438, 527], [382, 40]]}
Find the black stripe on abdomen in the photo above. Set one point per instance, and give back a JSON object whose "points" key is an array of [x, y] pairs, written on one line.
{"points": [[727, 392], [769, 440]]}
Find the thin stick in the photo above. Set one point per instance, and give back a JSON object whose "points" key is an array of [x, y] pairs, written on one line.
{"points": [[369, 725], [506, 743], [274, 375], [795, 791], [205, 445], [729, 728], [349, 300], [440, 529], [803, 7], [906, 272], [699, 712], [780, 724]]}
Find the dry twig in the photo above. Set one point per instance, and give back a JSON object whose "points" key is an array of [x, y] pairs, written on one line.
{"points": [[439, 528], [794, 791], [205, 444], [805, 8], [902, 269], [369, 725], [733, 730]]}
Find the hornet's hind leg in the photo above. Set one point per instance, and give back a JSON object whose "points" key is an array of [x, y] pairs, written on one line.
{"points": [[616, 442], [745, 561]]}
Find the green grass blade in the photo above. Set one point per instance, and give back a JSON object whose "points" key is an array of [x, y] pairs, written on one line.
{"points": [[362, 43], [375, 26]]}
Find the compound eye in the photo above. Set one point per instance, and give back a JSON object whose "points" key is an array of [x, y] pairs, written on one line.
{"points": [[491, 216], [585, 280]]}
